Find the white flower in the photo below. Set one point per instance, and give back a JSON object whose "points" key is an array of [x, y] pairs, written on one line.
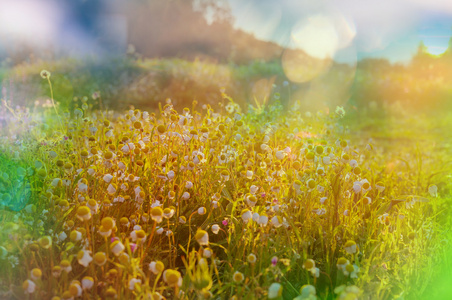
{"points": [[215, 228], [263, 220], [326, 160], [170, 174], [201, 210], [353, 163], [111, 189], [274, 291], [365, 185], [255, 217], [254, 189], [117, 248], [276, 221], [84, 258], [132, 283], [188, 184], [280, 154], [323, 199], [87, 282], [357, 187], [246, 215], [108, 177], [62, 236], [56, 181], [29, 286], [186, 196]]}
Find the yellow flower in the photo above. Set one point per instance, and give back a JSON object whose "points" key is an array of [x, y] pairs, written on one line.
{"points": [[156, 267], [83, 213], [172, 278], [45, 242], [202, 237], [238, 277], [100, 258], [157, 214]]}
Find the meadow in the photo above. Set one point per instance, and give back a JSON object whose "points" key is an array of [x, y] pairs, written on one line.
{"points": [[216, 198]]}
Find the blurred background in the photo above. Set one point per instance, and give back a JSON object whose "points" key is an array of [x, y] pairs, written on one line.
{"points": [[372, 57]]}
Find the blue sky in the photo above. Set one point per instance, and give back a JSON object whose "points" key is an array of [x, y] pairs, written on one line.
{"points": [[350, 29]]}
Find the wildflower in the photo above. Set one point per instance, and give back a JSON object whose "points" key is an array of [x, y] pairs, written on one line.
{"points": [[156, 267], [323, 199], [383, 218], [168, 212], [225, 175], [188, 184], [380, 187], [45, 242], [75, 235], [254, 189], [112, 188], [255, 217], [157, 214], [274, 261], [225, 222], [202, 237], [342, 263], [138, 235], [87, 282], [185, 196], [309, 265], [182, 220], [280, 154], [100, 258], [75, 289], [251, 258], [83, 213], [172, 277], [238, 277], [276, 221], [307, 291], [29, 286], [367, 200], [207, 252], [45, 74], [215, 228], [251, 200], [108, 223], [351, 247], [107, 178], [133, 282], [66, 266], [117, 247], [275, 290], [56, 271], [35, 274], [171, 174], [201, 211], [365, 185], [357, 187], [263, 220], [433, 190], [84, 257]]}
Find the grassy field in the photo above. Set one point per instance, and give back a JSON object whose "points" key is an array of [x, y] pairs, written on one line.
{"points": [[217, 200]]}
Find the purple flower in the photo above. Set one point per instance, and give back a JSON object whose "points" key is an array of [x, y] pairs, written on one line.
{"points": [[263, 195], [225, 222], [114, 239], [133, 247], [274, 261]]}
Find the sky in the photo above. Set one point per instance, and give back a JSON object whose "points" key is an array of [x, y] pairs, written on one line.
{"points": [[349, 30], [346, 30]]}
